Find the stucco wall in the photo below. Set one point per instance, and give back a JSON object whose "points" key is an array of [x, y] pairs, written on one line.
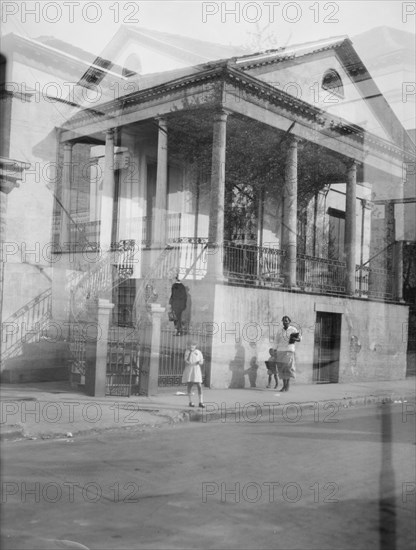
{"points": [[372, 342]]}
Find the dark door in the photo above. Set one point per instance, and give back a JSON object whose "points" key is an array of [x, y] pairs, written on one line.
{"points": [[327, 347]]}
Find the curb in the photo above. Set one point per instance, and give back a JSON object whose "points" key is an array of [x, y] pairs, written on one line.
{"points": [[16, 432], [8, 433], [324, 410], [346, 402]]}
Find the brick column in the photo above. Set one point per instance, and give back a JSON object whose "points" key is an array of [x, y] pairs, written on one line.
{"points": [[217, 198], [350, 239]]}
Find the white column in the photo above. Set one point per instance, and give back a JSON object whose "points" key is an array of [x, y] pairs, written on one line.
{"points": [[160, 210], [350, 240], [217, 198], [398, 271], [290, 212], [96, 349], [60, 298], [66, 196], [107, 197]]}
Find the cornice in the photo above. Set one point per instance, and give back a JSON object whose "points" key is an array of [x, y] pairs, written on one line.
{"points": [[249, 85]]}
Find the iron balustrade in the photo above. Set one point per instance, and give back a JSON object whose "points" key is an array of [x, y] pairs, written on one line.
{"points": [[77, 347], [27, 324], [122, 376], [253, 264], [188, 257], [85, 235], [374, 282], [320, 274], [172, 355], [115, 266]]}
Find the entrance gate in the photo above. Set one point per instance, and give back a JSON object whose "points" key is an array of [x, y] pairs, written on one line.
{"points": [[172, 351], [122, 362]]}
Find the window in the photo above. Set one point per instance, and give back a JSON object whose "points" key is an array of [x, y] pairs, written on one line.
{"points": [[333, 83], [336, 234]]}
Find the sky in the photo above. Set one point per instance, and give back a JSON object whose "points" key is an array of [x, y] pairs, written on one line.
{"points": [[91, 24]]}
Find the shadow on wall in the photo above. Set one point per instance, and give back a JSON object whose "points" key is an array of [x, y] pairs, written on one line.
{"points": [[237, 368]]}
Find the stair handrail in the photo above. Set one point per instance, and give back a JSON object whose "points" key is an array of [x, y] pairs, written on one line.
{"points": [[11, 345], [150, 275], [100, 277]]}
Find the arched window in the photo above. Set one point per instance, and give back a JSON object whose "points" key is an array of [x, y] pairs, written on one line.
{"points": [[132, 65], [333, 83]]}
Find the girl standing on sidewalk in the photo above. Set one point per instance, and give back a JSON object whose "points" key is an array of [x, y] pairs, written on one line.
{"points": [[192, 373]]}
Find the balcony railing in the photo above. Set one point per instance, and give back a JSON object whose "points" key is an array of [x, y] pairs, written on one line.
{"points": [[187, 258], [253, 264], [265, 266], [320, 274], [373, 283]]}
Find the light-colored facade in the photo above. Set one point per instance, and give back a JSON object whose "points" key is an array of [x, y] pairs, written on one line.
{"points": [[260, 173]]}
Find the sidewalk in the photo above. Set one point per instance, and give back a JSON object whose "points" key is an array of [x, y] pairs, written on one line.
{"points": [[54, 410]]}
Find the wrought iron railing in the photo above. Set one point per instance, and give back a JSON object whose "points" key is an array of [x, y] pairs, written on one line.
{"points": [[25, 325], [320, 274], [251, 263], [172, 351], [122, 377], [373, 282], [188, 258], [114, 267], [85, 235], [185, 257]]}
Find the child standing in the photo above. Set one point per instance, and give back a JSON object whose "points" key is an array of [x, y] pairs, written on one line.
{"points": [[271, 365], [192, 373]]}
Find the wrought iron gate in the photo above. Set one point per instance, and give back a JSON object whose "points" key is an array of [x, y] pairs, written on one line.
{"points": [[171, 358], [123, 373]]}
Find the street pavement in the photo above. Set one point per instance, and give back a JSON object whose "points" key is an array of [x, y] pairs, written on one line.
{"points": [[341, 481], [54, 409]]}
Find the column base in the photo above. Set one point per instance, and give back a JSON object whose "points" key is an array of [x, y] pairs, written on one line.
{"points": [[293, 287]]}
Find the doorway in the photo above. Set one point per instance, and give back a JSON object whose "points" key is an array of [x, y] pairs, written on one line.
{"points": [[327, 347]]}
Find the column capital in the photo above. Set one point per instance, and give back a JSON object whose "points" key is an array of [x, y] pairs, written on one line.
{"points": [[221, 115], [161, 120], [110, 133], [68, 145], [352, 164], [294, 140]]}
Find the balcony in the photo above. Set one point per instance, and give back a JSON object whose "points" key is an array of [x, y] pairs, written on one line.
{"points": [[265, 267]]}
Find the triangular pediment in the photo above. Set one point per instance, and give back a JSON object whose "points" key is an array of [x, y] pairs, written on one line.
{"points": [[305, 71]]}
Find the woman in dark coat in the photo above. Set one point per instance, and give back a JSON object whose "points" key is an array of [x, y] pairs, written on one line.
{"points": [[177, 302]]}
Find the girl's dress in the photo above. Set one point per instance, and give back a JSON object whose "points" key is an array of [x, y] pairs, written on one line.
{"points": [[192, 372]]}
